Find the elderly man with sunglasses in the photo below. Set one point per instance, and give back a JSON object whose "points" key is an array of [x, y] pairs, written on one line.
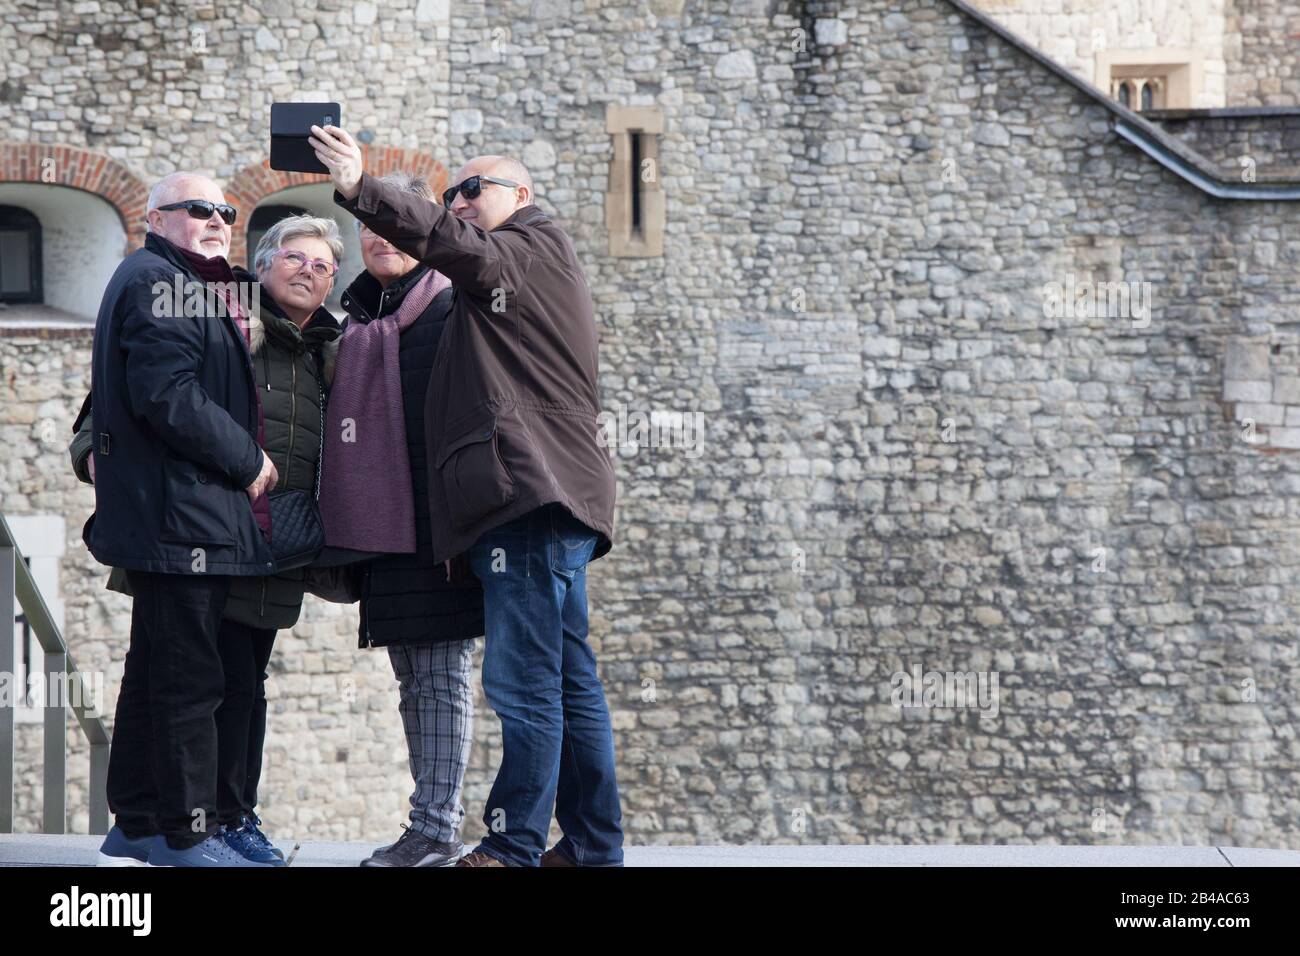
{"points": [[521, 482], [180, 485]]}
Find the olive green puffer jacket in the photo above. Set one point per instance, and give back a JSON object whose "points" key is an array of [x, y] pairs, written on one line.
{"points": [[288, 381], [289, 364]]}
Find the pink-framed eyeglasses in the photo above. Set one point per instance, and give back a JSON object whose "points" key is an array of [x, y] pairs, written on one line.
{"points": [[321, 268]]}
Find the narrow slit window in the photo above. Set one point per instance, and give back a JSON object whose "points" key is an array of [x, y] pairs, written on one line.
{"points": [[635, 182], [634, 200]]}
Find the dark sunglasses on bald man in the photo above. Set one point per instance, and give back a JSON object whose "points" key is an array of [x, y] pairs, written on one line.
{"points": [[471, 187], [202, 209]]}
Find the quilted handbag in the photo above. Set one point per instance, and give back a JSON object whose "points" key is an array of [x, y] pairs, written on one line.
{"points": [[296, 532]]}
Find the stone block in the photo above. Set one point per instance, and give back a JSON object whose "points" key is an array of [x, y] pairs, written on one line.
{"points": [[1238, 391], [1246, 360]]}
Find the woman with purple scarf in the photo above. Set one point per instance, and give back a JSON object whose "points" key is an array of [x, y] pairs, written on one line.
{"points": [[374, 498]]}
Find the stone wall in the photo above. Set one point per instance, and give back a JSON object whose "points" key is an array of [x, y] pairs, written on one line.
{"points": [[1248, 47], [909, 462], [1245, 145], [1074, 32], [1263, 65], [159, 83]]}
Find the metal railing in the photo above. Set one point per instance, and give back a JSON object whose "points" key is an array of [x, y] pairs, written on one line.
{"points": [[60, 671]]}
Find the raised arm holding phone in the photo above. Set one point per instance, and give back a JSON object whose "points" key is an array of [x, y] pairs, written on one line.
{"points": [[519, 481]]}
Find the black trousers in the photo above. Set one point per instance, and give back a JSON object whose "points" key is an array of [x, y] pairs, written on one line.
{"points": [[162, 766], [241, 718]]}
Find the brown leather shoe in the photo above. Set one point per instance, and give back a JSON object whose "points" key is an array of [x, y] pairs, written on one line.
{"points": [[553, 857], [478, 858]]}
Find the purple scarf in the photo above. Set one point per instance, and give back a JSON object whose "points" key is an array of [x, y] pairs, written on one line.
{"points": [[366, 500]]}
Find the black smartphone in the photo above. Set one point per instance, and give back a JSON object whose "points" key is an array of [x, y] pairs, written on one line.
{"points": [[291, 125]]}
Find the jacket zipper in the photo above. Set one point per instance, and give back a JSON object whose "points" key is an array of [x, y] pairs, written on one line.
{"points": [[261, 609], [365, 617], [293, 418]]}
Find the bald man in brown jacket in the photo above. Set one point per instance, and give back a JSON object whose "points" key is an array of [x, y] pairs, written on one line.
{"points": [[520, 479]]}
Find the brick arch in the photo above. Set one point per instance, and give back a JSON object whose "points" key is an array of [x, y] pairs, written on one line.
{"points": [[85, 170], [252, 184]]}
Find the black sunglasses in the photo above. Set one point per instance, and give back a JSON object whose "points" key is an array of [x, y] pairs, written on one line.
{"points": [[202, 209], [471, 187]]}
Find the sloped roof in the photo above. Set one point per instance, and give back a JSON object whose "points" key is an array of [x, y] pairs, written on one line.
{"points": [[1166, 150]]}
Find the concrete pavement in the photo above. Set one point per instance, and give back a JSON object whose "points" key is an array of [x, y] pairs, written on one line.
{"points": [[28, 849]]}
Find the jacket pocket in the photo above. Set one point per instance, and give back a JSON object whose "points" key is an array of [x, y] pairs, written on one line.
{"points": [[196, 506], [475, 478]]}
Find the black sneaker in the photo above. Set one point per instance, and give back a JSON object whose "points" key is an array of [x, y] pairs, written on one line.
{"points": [[415, 849]]}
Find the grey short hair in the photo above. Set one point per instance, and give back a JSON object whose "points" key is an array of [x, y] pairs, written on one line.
{"points": [[164, 191], [410, 183], [295, 227], [407, 183]]}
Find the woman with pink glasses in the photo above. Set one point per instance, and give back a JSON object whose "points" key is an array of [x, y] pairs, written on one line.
{"points": [[293, 341]]}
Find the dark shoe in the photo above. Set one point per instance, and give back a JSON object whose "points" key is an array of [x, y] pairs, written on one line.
{"points": [[118, 849], [553, 857], [415, 849], [247, 839], [214, 851], [479, 858]]}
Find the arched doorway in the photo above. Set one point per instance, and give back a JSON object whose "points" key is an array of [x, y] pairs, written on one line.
{"points": [[83, 169], [70, 216], [58, 249]]}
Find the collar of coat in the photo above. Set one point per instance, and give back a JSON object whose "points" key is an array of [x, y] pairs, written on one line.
{"points": [[530, 215], [172, 253], [361, 299], [321, 331]]}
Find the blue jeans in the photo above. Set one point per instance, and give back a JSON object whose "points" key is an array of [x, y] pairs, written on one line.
{"points": [[539, 675]]}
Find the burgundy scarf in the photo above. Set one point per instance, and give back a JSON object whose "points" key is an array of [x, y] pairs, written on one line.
{"points": [[217, 269]]}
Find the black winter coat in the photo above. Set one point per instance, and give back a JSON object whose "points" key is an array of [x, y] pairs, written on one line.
{"points": [[407, 598], [175, 428], [289, 365]]}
